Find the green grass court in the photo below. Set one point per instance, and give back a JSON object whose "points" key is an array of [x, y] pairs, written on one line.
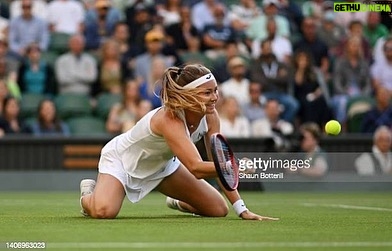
{"points": [[309, 221]]}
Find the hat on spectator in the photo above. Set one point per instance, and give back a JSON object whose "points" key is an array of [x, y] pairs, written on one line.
{"points": [[154, 35], [102, 4], [236, 61], [269, 2]]}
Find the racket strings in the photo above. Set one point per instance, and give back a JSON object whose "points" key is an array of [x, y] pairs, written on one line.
{"points": [[225, 159]]}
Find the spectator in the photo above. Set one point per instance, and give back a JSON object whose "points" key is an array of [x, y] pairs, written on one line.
{"points": [[193, 55], [76, 71], [100, 23], [238, 85], [310, 90], [379, 161], [312, 43], [220, 67], [154, 41], [180, 35], [140, 19], [378, 50], [274, 79], [316, 9], [143, 108], [7, 55], [40, 9], [203, 14], [270, 8], [331, 33], [254, 109], [170, 12], [310, 137], [216, 34], [351, 77], [381, 70], [151, 87], [122, 116], [380, 114], [240, 15], [128, 51], [66, 16], [35, 75], [271, 126], [281, 46], [355, 29], [232, 123], [374, 29], [26, 29], [4, 27], [292, 11], [345, 18], [111, 71], [47, 123], [3, 94], [10, 122], [10, 76]]}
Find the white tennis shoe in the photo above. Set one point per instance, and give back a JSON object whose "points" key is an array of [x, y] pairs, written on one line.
{"points": [[174, 204], [86, 187]]}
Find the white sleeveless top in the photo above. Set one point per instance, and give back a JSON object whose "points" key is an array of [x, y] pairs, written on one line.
{"points": [[142, 152]]}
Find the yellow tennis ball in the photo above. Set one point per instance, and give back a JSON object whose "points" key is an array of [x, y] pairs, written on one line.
{"points": [[333, 127]]}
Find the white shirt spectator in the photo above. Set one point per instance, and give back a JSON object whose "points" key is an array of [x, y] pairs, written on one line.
{"points": [[382, 71], [241, 13], [239, 129], [344, 18], [66, 15], [365, 166], [202, 15], [238, 90], [281, 47], [40, 9], [378, 52], [263, 128]]}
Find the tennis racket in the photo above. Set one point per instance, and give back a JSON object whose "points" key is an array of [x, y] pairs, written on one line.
{"points": [[225, 163]]}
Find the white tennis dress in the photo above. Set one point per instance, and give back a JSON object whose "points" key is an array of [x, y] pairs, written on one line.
{"points": [[140, 159]]}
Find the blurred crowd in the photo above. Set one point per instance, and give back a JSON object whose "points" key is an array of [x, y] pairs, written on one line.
{"points": [[279, 64]]}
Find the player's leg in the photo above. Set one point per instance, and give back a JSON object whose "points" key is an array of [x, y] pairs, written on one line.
{"points": [[106, 200], [195, 196]]}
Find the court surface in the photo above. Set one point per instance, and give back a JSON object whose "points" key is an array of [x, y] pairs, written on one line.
{"points": [[308, 221]]}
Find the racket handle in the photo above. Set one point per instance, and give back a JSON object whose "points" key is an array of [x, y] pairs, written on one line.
{"points": [[239, 207]]}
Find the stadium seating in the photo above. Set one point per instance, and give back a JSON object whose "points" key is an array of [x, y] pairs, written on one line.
{"points": [[29, 104], [72, 105], [59, 42], [87, 126], [356, 110], [104, 103]]}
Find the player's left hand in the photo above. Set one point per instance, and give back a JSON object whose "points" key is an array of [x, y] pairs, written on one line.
{"points": [[248, 215]]}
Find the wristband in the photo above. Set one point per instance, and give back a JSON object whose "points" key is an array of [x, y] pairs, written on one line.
{"points": [[239, 207]]}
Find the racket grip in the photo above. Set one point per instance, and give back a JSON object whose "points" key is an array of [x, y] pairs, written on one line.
{"points": [[239, 207]]}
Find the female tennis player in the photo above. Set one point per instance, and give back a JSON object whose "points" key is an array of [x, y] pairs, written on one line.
{"points": [[141, 159]]}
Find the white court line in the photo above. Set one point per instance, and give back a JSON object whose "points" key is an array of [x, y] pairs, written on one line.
{"points": [[348, 207], [214, 245]]}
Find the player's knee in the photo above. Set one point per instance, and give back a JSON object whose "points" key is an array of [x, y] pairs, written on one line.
{"points": [[104, 212], [220, 210]]}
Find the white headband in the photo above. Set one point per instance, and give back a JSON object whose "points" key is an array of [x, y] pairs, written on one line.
{"points": [[202, 80]]}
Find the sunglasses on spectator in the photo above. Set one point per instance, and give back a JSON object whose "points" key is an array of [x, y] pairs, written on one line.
{"points": [[26, 6]]}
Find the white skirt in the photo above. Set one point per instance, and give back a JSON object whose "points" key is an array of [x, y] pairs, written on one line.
{"points": [[135, 188]]}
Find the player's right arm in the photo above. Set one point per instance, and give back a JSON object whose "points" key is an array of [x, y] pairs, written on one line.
{"points": [[174, 132]]}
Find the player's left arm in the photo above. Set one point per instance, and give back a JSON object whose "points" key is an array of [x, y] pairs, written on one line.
{"points": [[233, 196]]}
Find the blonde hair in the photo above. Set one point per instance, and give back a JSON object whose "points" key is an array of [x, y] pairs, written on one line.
{"points": [[174, 96]]}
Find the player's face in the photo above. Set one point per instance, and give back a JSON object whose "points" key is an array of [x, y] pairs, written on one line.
{"points": [[208, 94]]}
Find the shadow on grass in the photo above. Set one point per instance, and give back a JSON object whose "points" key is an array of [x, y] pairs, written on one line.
{"points": [[155, 217]]}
